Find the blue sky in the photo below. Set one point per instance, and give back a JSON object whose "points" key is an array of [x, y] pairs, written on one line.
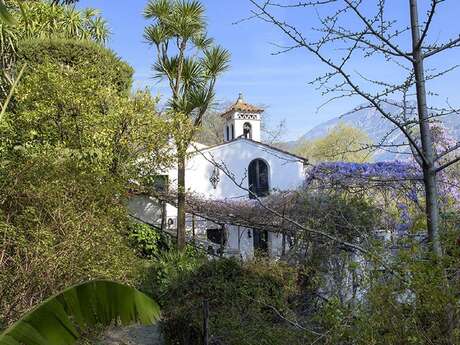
{"points": [[279, 82]]}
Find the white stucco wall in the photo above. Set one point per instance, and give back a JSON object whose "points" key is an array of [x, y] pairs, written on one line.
{"points": [[239, 239], [286, 172]]}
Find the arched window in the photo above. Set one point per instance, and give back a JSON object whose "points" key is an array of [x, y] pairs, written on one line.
{"points": [[233, 132], [247, 130], [258, 178], [228, 133]]}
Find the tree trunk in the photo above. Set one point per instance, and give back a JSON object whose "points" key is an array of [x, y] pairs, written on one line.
{"points": [[429, 173], [181, 201]]}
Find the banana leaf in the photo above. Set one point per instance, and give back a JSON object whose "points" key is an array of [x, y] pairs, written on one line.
{"points": [[60, 319]]}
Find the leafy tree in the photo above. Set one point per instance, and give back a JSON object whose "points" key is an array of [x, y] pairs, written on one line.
{"points": [[342, 143], [76, 55], [41, 19], [211, 129], [191, 64]]}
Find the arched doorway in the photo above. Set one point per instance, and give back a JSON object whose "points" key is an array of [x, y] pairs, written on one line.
{"points": [[258, 178]]}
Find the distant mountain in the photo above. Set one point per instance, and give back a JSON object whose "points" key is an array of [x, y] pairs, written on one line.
{"points": [[377, 127]]}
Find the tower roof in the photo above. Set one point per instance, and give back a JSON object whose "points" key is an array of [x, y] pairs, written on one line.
{"points": [[241, 105]]}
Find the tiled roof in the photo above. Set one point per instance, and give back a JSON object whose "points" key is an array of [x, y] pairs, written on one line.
{"points": [[240, 105]]}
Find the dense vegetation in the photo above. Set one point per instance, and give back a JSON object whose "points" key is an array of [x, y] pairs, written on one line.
{"points": [[73, 137], [77, 140]]}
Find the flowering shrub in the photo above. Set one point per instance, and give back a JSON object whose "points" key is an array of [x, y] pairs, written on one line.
{"points": [[348, 174]]}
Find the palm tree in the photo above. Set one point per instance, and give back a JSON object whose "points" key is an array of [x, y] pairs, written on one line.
{"points": [[189, 61], [60, 319]]}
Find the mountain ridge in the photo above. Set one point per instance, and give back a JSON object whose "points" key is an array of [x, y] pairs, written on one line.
{"points": [[370, 121]]}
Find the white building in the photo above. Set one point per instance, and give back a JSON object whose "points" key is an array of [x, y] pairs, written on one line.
{"points": [[252, 165]]}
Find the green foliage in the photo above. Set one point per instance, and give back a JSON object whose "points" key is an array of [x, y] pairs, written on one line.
{"points": [[40, 19], [77, 55], [345, 215], [168, 267], [191, 71], [412, 301], [71, 146], [5, 15], [212, 128], [342, 143], [36, 20], [59, 224], [147, 241], [61, 318], [242, 299], [4, 106], [79, 110]]}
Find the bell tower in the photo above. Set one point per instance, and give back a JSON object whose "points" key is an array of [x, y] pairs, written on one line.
{"points": [[242, 120]]}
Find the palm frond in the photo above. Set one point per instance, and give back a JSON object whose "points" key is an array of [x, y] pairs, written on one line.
{"points": [[157, 9], [192, 74], [58, 320], [156, 34], [202, 41], [216, 61], [191, 9], [166, 68], [187, 19]]}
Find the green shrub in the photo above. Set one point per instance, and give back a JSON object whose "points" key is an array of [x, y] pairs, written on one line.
{"points": [[242, 303], [168, 267], [78, 54], [412, 302], [147, 241], [57, 232]]}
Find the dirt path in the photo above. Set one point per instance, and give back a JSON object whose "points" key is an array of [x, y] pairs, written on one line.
{"points": [[133, 335]]}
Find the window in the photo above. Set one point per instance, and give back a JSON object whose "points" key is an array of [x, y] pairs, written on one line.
{"points": [[216, 235], [228, 133], [258, 178], [260, 241], [233, 132], [247, 130]]}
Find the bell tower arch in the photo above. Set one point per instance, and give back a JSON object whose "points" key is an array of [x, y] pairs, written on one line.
{"points": [[242, 120]]}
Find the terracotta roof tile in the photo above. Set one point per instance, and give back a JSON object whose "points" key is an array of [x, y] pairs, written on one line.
{"points": [[240, 105]]}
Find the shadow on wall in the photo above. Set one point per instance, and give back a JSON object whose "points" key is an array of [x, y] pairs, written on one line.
{"points": [[146, 209]]}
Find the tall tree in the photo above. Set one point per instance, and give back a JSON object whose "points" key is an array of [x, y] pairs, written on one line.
{"points": [[358, 30], [189, 61], [342, 143]]}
